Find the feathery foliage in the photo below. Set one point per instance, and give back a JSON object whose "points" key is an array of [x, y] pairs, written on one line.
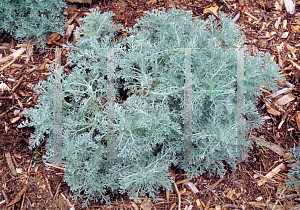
{"points": [[30, 20], [149, 125]]}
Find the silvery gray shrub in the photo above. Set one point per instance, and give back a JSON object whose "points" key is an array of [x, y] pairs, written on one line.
{"points": [[149, 125]]}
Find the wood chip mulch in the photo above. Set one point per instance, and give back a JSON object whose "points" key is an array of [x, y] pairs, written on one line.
{"points": [[258, 183]]}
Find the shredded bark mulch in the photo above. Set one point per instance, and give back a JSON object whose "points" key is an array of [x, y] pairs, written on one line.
{"points": [[258, 183]]}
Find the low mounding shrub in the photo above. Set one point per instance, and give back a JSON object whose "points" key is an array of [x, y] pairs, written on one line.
{"points": [[149, 124]]}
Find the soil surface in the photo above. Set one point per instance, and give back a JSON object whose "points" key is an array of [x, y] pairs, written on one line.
{"points": [[258, 183]]}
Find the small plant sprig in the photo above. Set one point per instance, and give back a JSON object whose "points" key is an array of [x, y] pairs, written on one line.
{"points": [[293, 181]]}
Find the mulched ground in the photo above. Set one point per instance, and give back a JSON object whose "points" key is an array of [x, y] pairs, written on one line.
{"points": [[26, 184]]}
